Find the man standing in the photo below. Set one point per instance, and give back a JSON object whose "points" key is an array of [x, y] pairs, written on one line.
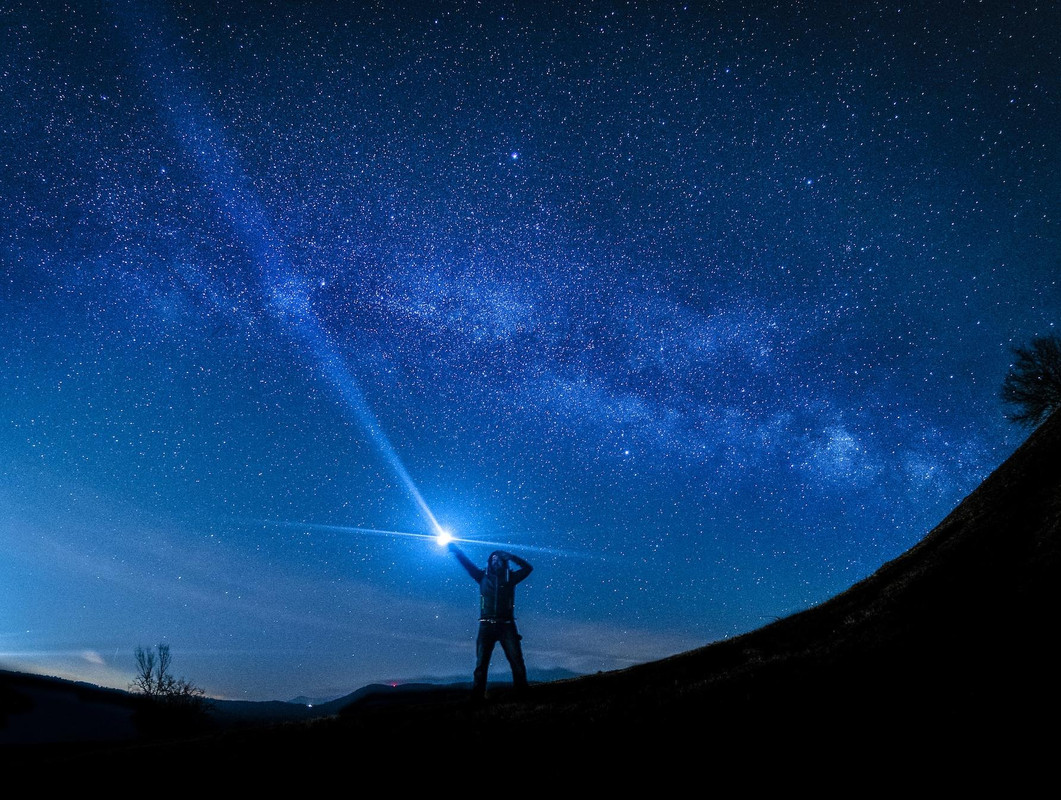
{"points": [[497, 622]]}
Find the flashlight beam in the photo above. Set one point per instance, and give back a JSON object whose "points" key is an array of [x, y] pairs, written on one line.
{"points": [[283, 292], [433, 537], [315, 526]]}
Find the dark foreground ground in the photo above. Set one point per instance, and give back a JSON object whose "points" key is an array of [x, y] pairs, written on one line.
{"points": [[942, 667]]}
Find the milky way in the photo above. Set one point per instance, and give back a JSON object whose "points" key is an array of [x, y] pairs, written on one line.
{"points": [[703, 310]]}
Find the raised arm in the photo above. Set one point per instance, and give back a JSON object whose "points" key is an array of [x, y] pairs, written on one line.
{"points": [[524, 570], [474, 571]]}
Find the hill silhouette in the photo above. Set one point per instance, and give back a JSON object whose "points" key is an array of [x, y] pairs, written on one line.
{"points": [[944, 658]]}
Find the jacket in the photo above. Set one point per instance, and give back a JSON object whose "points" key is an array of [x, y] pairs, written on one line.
{"points": [[497, 595]]}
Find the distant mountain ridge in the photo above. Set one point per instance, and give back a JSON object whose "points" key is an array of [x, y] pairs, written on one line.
{"points": [[40, 709]]}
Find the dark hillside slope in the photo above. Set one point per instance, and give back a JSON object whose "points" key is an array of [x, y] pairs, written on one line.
{"points": [[973, 605], [955, 637]]}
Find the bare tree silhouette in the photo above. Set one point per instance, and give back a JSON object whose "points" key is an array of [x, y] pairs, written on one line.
{"points": [[155, 680], [1033, 385]]}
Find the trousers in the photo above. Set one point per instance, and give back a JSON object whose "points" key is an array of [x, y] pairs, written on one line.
{"points": [[491, 633]]}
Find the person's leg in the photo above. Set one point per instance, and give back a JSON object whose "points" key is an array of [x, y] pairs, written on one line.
{"points": [[484, 647], [510, 643]]}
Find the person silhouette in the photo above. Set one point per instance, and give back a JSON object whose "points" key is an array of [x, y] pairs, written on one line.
{"points": [[497, 621]]}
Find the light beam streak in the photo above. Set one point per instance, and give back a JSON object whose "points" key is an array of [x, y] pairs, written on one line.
{"points": [[283, 291], [343, 529]]}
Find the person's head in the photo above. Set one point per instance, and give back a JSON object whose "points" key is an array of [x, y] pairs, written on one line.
{"points": [[496, 563]]}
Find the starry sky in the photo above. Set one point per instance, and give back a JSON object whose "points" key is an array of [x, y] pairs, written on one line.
{"points": [[702, 308]]}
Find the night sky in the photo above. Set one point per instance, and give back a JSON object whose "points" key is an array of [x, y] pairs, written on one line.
{"points": [[701, 308]]}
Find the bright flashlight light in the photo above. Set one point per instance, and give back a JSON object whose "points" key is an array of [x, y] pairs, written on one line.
{"points": [[444, 537]]}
